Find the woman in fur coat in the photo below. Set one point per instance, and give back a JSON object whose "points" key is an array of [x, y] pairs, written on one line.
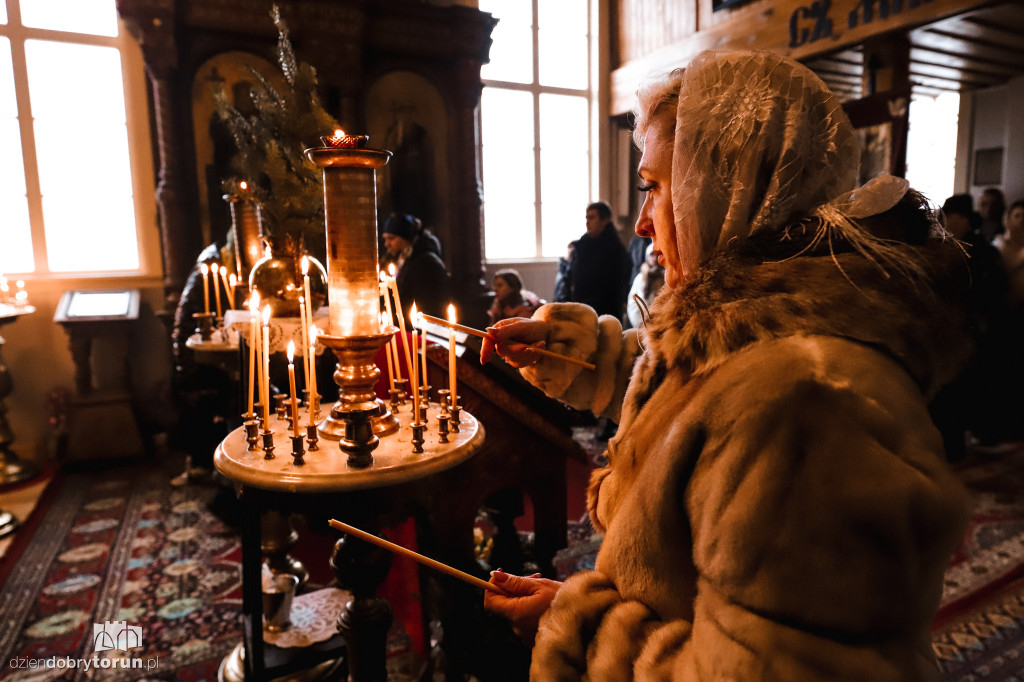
{"points": [[776, 505]]}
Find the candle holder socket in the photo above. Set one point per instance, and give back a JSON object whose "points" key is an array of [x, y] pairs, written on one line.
{"points": [[268, 444], [280, 405], [396, 399], [442, 427], [456, 413], [443, 397], [204, 324], [252, 434], [297, 451], [312, 438], [417, 437]]}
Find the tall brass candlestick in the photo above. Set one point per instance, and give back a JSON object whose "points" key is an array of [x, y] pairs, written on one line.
{"points": [[350, 208]]}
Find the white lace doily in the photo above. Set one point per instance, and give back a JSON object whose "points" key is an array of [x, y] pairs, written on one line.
{"points": [[314, 618], [282, 329]]}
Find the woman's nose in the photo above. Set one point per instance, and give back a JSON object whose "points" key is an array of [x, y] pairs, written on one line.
{"points": [[643, 222]]}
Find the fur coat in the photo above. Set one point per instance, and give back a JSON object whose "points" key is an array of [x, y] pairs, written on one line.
{"points": [[777, 505]]}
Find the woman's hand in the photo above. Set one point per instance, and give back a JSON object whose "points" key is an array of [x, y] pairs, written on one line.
{"points": [[525, 601], [512, 339]]}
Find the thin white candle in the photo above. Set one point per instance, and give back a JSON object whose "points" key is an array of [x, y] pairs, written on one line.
{"points": [[421, 323], [254, 335], [415, 370], [387, 352], [216, 286], [265, 393], [451, 357], [205, 269], [305, 339], [394, 341], [313, 401], [401, 325], [291, 388]]}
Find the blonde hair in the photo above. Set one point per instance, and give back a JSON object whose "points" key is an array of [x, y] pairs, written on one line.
{"points": [[656, 99]]}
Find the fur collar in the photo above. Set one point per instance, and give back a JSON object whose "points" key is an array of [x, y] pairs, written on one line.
{"points": [[750, 292]]}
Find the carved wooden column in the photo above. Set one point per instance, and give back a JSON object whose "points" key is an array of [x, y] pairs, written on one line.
{"points": [[468, 249], [153, 24]]}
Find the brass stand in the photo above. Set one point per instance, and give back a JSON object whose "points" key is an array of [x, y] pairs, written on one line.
{"points": [[12, 469], [359, 417]]}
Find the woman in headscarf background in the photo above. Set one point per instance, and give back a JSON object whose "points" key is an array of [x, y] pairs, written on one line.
{"points": [[776, 504]]}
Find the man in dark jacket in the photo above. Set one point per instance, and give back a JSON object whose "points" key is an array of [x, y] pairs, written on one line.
{"points": [[599, 269], [421, 275]]}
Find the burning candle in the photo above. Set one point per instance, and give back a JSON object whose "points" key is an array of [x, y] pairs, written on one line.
{"points": [[305, 338], [451, 356], [414, 373], [216, 286], [265, 392], [254, 341], [401, 324], [387, 352], [232, 283], [291, 388], [386, 288], [205, 269]]}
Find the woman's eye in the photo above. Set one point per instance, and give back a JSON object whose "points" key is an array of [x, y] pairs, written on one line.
{"points": [[645, 186]]}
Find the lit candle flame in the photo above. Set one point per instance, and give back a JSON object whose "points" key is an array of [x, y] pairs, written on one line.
{"points": [[232, 279], [413, 315], [314, 331], [339, 133], [266, 316], [291, 352], [382, 277], [204, 268], [254, 302], [305, 265], [243, 185], [451, 313], [391, 269]]}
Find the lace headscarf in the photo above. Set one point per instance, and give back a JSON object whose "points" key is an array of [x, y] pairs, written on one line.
{"points": [[760, 142]]}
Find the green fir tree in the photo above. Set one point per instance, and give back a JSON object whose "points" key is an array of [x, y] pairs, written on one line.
{"points": [[270, 144]]}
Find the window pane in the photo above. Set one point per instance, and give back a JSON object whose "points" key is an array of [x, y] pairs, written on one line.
{"points": [[508, 170], [564, 123], [8, 105], [565, 188], [97, 17], [512, 41], [563, 59], [15, 234], [78, 85], [3, 13], [90, 232], [94, 163]]}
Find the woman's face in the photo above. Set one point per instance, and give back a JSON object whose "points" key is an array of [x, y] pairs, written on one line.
{"points": [[501, 288], [656, 218], [1015, 221]]}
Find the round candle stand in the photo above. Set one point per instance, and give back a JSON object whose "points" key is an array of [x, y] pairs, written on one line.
{"points": [[204, 325], [356, 374], [326, 477]]}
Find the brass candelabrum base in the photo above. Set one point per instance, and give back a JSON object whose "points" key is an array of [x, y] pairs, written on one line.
{"points": [[359, 418]]}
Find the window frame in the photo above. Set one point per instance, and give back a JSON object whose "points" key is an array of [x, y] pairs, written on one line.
{"points": [[139, 155], [536, 90]]}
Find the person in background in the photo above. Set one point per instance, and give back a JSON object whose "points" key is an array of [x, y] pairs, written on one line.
{"points": [[598, 269], [645, 286], [777, 504], [510, 299], [991, 206], [1011, 245], [421, 276]]}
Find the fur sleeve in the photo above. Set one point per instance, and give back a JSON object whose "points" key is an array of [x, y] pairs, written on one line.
{"points": [[577, 331]]}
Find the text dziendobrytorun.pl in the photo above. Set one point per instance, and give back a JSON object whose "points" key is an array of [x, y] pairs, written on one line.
{"points": [[68, 663]]}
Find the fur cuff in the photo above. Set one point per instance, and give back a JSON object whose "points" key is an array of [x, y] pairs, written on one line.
{"points": [[576, 331]]}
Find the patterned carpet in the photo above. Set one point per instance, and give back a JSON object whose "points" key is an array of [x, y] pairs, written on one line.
{"points": [[123, 546]]}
